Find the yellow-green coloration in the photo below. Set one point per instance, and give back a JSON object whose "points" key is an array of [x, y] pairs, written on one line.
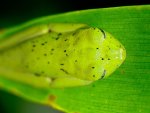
{"points": [[60, 55]]}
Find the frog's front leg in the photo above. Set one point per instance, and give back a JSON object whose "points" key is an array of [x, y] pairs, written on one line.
{"points": [[68, 82]]}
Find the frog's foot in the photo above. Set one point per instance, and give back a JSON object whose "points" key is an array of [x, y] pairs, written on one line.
{"points": [[68, 82]]}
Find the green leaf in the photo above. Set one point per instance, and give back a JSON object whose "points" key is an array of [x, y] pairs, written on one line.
{"points": [[127, 90]]}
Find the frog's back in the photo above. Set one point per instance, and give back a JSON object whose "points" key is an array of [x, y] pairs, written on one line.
{"points": [[32, 48], [86, 53]]}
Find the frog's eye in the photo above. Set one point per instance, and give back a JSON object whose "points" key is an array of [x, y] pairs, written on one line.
{"points": [[103, 75], [103, 32]]}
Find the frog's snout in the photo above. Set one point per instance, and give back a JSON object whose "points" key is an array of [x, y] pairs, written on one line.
{"points": [[122, 53], [118, 53], [114, 53]]}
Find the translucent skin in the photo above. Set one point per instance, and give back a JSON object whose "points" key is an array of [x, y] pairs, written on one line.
{"points": [[68, 54]]}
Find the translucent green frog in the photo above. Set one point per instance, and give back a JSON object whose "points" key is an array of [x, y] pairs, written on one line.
{"points": [[59, 55]]}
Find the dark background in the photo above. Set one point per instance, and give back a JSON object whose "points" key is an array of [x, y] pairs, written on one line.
{"points": [[17, 11], [13, 12]]}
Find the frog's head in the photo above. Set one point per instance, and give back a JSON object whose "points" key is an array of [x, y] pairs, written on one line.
{"points": [[100, 53], [113, 53]]}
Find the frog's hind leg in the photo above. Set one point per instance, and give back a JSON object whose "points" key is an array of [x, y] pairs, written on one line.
{"points": [[68, 82], [26, 78], [42, 81]]}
